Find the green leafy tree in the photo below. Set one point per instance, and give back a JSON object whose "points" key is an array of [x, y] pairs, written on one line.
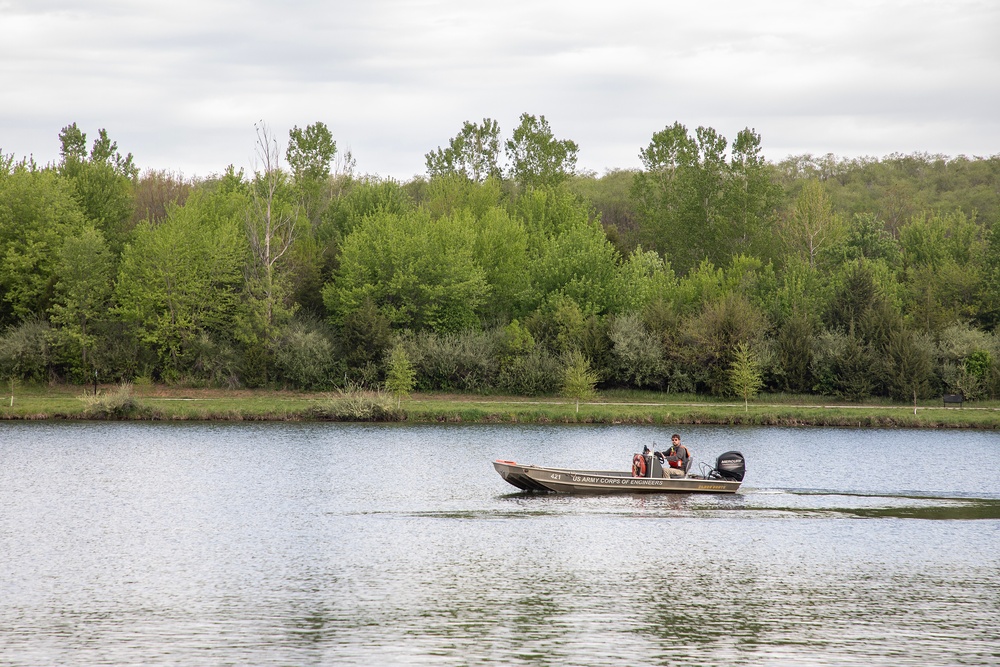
{"points": [[579, 381], [570, 255], [515, 341], [706, 210], [611, 197], [448, 194], [419, 272], [979, 363], [989, 308], [103, 182], [943, 256], [182, 278], [866, 239], [550, 211], [535, 157], [670, 150], [73, 142], [751, 199], [473, 153], [500, 248], [703, 285], [811, 225], [800, 289], [559, 324], [644, 277], [311, 154], [680, 194], [38, 211], [694, 204], [931, 239], [938, 296], [364, 197], [400, 377], [581, 264], [962, 357], [83, 295]]}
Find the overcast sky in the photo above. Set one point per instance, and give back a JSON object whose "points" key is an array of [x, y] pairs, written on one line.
{"points": [[180, 84]]}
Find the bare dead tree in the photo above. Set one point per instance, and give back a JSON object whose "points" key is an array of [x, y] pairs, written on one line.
{"points": [[270, 226]]}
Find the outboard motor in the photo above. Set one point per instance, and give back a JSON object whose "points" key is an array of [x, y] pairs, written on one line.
{"points": [[731, 466]]}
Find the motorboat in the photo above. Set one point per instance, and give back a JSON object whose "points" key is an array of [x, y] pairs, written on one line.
{"points": [[648, 477]]}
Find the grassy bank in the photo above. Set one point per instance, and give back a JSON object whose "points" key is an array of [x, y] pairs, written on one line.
{"points": [[178, 404]]}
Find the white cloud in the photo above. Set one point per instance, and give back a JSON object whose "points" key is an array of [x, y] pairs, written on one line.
{"points": [[180, 84]]}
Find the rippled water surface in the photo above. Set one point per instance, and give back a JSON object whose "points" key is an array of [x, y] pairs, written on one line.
{"points": [[315, 544]]}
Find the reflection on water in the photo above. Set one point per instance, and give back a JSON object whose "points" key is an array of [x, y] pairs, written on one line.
{"points": [[357, 545], [852, 505]]}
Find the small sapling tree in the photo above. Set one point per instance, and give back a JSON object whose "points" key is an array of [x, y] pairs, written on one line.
{"points": [[578, 379], [400, 377], [744, 374]]}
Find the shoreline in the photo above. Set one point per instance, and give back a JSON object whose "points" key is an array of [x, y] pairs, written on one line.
{"points": [[162, 403]]}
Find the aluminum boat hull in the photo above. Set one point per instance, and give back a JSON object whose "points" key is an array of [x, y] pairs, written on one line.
{"points": [[562, 480]]}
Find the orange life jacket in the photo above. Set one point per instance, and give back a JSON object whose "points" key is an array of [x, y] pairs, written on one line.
{"points": [[676, 452]]}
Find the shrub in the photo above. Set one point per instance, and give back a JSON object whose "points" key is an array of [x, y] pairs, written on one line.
{"points": [[908, 365], [964, 361], [305, 357], [121, 354], [794, 351], [464, 361], [533, 374], [844, 366], [707, 340], [354, 404], [214, 363], [636, 354], [119, 403], [25, 352]]}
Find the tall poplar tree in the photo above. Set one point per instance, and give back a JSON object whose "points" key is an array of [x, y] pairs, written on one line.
{"points": [[535, 157], [473, 153], [104, 182]]}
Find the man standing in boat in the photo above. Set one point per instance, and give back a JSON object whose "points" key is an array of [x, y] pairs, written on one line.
{"points": [[676, 457]]}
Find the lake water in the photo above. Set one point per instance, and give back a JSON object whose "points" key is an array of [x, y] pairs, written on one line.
{"points": [[319, 544]]}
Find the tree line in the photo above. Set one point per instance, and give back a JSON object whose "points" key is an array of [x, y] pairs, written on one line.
{"points": [[506, 270]]}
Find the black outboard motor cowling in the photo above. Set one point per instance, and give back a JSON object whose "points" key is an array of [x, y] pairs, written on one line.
{"points": [[731, 465]]}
